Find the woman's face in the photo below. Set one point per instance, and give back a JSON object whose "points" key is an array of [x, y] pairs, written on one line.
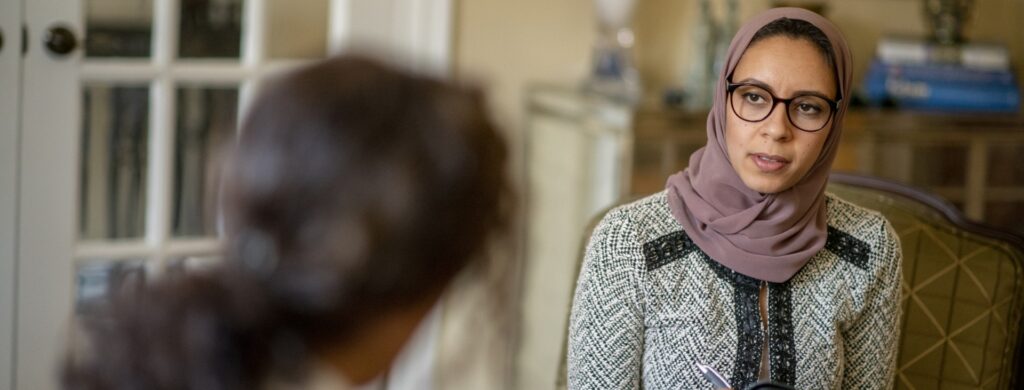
{"points": [[772, 155]]}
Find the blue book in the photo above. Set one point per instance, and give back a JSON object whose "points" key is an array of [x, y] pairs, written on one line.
{"points": [[976, 55], [942, 87], [945, 73]]}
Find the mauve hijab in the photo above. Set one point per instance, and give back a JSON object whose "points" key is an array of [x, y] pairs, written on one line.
{"points": [[764, 236]]}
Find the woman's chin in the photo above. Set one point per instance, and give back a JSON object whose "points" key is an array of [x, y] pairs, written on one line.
{"points": [[766, 185]]}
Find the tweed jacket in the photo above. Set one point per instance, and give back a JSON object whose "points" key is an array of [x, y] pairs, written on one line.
{"points": [[649, 305]]}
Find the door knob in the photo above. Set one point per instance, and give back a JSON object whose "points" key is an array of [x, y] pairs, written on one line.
{"points": [[60, 40]]}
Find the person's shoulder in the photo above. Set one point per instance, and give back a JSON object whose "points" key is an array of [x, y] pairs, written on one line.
{"points": [[852, 218], [858, 234], [648, 217], [620, 243]]}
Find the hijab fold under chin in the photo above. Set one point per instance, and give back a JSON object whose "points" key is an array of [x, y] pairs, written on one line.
{"points": [[764, 236]]}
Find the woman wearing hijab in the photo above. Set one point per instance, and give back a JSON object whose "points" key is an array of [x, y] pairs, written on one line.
{"points": [[744, 263]]}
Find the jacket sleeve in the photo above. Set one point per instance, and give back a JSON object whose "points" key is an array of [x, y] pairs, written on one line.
{"points": [[606, 330], [871, 340]]}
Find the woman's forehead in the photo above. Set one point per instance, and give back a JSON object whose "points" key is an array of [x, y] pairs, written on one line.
{"points": [[786, 64]]}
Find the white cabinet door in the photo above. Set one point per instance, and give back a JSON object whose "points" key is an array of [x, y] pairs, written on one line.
{"points": [[110, 171]]}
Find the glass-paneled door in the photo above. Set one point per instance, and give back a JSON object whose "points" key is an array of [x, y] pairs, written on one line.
{"points": [[111, 120], [124, 107]]}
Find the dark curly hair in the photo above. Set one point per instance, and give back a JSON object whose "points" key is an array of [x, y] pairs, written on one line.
{"points": [[353, 189]]}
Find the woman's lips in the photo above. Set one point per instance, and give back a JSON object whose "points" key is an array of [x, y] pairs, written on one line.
{"points": [[768, 163]]}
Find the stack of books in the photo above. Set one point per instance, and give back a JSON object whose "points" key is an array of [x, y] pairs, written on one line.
{"points": [[918, 74]]}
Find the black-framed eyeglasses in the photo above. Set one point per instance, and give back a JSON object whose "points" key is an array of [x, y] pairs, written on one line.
{"points": [[807, 112]]}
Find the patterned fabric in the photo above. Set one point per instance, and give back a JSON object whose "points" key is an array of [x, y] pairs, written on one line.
{"points": [[650, 305], [962, 295]]}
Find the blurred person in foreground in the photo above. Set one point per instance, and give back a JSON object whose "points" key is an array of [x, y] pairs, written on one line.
{"points": [[354, 195]]}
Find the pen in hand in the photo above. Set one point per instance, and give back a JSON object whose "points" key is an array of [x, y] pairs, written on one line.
{"points": [[713, 376]]}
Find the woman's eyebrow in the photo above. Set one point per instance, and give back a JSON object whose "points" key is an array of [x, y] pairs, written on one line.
{"points": [[762, 84], [753, 81]]}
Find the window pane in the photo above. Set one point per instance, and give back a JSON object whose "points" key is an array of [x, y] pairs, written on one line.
{"points": [[115, 161], [210, 29], [118, 28], [206, 120], [193, 263], [96, 281], [284, 40]]}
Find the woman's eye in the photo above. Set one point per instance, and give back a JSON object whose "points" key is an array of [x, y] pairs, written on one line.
{"points": [[808, 109], [754, 98]]}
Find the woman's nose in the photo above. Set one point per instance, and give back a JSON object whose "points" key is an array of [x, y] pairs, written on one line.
{"points": [[777, 125]]}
